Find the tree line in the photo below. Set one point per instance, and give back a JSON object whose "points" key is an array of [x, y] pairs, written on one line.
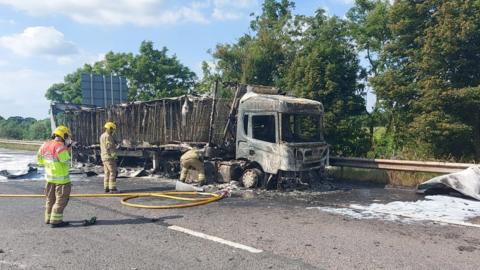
{"points": [[420, 58], [20, 128]]}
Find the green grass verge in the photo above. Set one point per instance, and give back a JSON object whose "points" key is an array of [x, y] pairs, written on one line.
{"points": [[15, 146], [392, 178]]}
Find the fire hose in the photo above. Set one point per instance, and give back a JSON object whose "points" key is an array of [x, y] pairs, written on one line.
{"points": [[190, 197]]}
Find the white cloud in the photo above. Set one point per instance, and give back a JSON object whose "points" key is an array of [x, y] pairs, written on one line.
{"points": [[82, 58], [235, 3], [347, 2], [137, 12], [227, 10], [224, 15], [39, 41]]}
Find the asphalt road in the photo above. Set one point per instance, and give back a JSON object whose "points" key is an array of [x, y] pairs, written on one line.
{"points": [[278, 224]]}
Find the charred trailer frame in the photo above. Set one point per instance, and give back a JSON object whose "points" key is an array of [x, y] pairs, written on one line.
{"points": [[153, 131]]}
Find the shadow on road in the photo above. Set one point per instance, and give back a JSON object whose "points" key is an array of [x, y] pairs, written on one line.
{"points": [[162, 221]]}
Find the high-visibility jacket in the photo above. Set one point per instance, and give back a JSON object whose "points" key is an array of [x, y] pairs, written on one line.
{"points": [[54, 155], [107, 147]]}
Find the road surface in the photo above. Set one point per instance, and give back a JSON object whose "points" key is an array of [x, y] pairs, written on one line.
{"points": [[250, 230]]}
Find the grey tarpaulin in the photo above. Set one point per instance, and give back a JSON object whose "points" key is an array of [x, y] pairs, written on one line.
{"points": [[466, 182]]}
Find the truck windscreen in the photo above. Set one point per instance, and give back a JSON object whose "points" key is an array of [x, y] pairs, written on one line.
{"points": [[301, 128]]}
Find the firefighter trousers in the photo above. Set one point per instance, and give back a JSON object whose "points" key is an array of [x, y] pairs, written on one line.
{"points": [[110, 171], [195, 164], [57, 197]]}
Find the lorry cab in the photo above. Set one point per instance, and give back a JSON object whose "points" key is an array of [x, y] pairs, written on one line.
{"points": [[281, 134]]}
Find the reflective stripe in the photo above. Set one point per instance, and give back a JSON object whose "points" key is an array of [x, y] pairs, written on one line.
{"points": [[57, 177], [56, 217], [112, 185], [59, 180], [50, 158]]}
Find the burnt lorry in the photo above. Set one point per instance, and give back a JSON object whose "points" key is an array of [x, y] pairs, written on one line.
{"points": [[260, 137]]}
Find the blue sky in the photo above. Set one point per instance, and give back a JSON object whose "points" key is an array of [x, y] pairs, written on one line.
{"points": [[41, 41]]}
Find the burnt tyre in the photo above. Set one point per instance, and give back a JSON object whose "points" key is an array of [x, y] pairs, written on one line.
{"points": [[251, 177]]}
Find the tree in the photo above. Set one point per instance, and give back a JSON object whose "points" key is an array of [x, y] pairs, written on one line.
{"points": [[39, 130], [368, 24], [448, 78], [151, 74], [20, 128], [327, 69], [119, 64], [259, 58], [207, 83], [429, 77], [311, 57], [154, 75]]}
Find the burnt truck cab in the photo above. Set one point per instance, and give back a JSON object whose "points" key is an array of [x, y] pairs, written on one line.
{"points": [[281, 137]]}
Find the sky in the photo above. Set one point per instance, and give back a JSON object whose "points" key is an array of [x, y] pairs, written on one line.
{"points": [[42, 41]]}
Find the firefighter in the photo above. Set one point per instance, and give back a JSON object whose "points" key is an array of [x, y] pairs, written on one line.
{"points": [[193, 158], [54, 155], [109, 158]]}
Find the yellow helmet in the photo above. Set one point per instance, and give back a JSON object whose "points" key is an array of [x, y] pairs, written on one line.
{"points": [[61, 131], [110, 125], [65, 129]]}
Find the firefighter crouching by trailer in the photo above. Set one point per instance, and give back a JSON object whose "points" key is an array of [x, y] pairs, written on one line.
{"points": [[193, 158], [54, 155], [109, 158]]}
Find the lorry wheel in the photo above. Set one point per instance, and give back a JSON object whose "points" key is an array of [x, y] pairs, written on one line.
{"points": [[251, 177]]}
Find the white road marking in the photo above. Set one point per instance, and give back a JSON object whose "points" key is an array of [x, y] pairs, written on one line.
{"points": [[215, 239]]}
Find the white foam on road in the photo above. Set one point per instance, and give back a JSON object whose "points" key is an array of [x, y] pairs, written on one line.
{"points": [[215, 239], [17, 162], [442, 209]]}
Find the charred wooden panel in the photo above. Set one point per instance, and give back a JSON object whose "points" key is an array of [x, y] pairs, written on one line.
{"points": [[151, 123]]}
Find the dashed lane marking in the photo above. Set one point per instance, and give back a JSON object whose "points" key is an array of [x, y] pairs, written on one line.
{"points": [[215, 239]]}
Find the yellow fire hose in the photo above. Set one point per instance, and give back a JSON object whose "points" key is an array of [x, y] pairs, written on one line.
{"points": [[200, 199]]}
